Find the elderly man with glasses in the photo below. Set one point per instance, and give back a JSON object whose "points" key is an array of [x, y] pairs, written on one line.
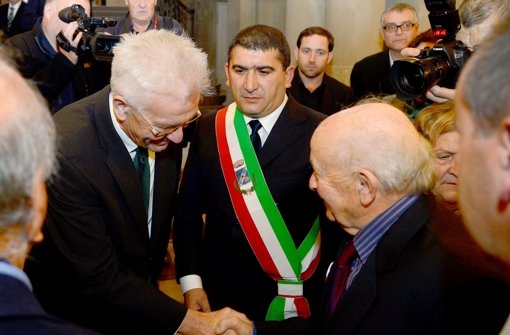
{"points": [[399, 26], [111, 204]]}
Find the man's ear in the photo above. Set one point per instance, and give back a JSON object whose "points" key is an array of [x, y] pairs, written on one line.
{"points": [[504, 142], [367, 187], [227, 74], [120, 107], [39, 207], [330, 57], [289, 75]]}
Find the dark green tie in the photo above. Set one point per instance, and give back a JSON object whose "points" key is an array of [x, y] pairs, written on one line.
{"points": [[143, 170]]}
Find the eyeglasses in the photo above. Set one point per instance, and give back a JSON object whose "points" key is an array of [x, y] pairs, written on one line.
{"points": [[158, 132], [405, 26]]}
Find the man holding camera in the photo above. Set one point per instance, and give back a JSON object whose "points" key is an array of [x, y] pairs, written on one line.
{"points": [[478, 19], [62, 76], [399, 26]]}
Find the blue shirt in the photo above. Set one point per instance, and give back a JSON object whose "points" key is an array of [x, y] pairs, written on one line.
{"points": [[10, 270], [367, 238]]}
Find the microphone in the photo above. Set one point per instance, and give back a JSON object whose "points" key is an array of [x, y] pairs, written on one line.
{"points": [[70, 14]]}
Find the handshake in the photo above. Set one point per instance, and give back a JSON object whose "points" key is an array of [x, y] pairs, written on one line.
{"points": [[225, 321]]}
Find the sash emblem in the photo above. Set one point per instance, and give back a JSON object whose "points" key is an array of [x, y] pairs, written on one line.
{"points": [[244, 182]]}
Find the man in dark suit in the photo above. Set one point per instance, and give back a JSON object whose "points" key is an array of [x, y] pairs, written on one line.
{"points": [[25, 163], [238, 255], [110, 207], [399, 26], [17, 8], [414, 270], [311, 86]]}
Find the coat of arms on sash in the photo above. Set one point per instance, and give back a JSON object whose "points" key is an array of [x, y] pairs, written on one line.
{"points": [[244, 183]]}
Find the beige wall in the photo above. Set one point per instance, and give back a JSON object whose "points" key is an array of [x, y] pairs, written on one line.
{"points": [[354, 23]]}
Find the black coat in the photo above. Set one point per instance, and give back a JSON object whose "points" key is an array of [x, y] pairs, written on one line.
{"points": [[371, 75], [424, 277], [336, 95], [97, 265], [16, 26]]}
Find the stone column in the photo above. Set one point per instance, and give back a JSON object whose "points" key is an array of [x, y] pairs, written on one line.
{"points": [[300, 14]]}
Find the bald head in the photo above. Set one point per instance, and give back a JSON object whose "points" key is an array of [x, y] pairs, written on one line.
{"points": [[380, 138]]}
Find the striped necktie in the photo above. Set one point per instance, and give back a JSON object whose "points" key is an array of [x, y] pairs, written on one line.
{"points": [[10, 17]]}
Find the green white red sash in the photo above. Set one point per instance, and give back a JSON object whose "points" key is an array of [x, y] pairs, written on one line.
{"points": [[261, 220]]}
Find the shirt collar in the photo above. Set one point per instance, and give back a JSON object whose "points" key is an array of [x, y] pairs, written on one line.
{"points": [[128, 142], [10, 270], [15, 6], [269, 121], [367, 239]]}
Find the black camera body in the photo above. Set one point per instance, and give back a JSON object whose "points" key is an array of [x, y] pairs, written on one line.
{"points": [[440, 65], [99, 45]]}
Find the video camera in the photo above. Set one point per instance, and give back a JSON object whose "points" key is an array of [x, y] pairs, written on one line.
{"points": [[441, 64], [99, 45]]}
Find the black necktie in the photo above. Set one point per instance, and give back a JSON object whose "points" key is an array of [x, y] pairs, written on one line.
{"points": [[341, 269], [254, 137], [143, 170]]}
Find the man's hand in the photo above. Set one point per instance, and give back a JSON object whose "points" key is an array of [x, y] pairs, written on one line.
{"points": [[198, 323], [196, 299], [440, 94], [410, 52], [236, 324], [68, 32], [436, 93]]}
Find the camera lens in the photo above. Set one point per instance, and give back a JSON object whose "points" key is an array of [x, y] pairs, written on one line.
{"points": [[102, 46], [411, 78]]}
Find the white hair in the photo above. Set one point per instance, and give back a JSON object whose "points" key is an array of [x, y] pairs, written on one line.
{"points": [[158, 62], [27, 146]]}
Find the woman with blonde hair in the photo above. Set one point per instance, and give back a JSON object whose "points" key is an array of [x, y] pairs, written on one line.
{"points": [[436, 123]]}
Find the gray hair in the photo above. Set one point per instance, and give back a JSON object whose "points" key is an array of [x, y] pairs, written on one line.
{"points": [[488, 69], [399, 7], [474, 12], [158, 62], [27, 146]]}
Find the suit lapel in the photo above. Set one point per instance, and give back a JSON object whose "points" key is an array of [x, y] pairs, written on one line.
{"points": [[168, 164], [287, 129], [119, 160]]}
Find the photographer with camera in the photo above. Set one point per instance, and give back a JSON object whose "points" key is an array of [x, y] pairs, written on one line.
{"points": [[62, 76], [478, 18], [399, 26]]}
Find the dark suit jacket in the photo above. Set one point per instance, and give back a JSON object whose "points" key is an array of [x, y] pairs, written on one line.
{"points": [[231, 274], [97, 265], [16, 26], [336, 95], [371, 75], [422, 278], [21, 314]]}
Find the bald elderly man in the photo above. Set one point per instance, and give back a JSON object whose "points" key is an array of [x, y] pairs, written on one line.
{"points": [[407, 276]]}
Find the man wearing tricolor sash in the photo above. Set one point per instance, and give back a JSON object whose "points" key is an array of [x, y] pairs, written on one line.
{"points": [[260, 246]]}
